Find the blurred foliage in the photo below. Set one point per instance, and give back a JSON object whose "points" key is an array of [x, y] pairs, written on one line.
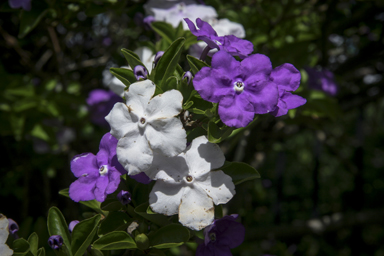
{"points": [[322, 183]]}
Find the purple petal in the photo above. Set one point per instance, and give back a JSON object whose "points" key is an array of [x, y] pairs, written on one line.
{"points": [[84, 164], [263, 95], [287, 101], [82, 189], [114, 180], [226, 63], [236, 111], [141, 177], [205, 250], [286, 77], [257, 66], [236, 46], [98, 95], [115, 163], [107, 149], [101, 185], [229, 232]]}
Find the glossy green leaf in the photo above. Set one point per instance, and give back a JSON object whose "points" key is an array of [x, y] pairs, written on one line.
{"points": [[170, 84], [111, 204], [115, 221], [216, 134], [132, 58], [33, 241], [168, 62], [96, 252], [169, 236], [196, 64], [240, 172], [83, 234], [165, 30], [93, 204], [58, 226], [125, 75], [20, 247], [41, 252], [158, 219], [114, 241]]}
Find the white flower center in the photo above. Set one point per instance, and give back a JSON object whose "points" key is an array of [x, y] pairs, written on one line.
{"points": [[189, 178], [142, 122], [239, 86], [103, 170]]}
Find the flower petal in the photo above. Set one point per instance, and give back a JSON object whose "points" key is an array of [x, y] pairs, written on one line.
{"points": [[165, 198], [202, 156], [134, 153], [263, 96], [141, 178], [84, 164], [168, 169], [286, 77], [121, 120], [138, 96], [226, 63], [258, 66], [218, 186], [107, 149], [196, 210], [286, 102], [114, 180], [101, 185], [166, 105], [82, 189], [166, 135], [236, 111]]}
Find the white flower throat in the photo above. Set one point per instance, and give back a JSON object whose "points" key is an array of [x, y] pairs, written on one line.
{"points": [[103, 170]]}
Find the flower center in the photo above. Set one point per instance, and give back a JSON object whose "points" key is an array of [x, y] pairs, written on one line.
{"points": [[189, 178], [142, 120], [212, 237], [239, 86], [103, 170]]}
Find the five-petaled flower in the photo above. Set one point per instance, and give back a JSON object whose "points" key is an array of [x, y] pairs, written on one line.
{"points": [[97, 175], [145, 124], [221, 236], [187, 186], [229, 43]]}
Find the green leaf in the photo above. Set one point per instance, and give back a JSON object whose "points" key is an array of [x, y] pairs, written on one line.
{"points": [[115, 221], [20, 247], [39, 132], [169, 236], [33, 241], [83, 234], [196, 64], [158, 219], [96, 252], [115, 241], [170, 84], [132, 58], [216, 134], [30, 19], [111, 204], [168, 62], [187, 105], [93, 204], [41, 252], [239, 172], [58, 226], [165, 30], [125, 75]]}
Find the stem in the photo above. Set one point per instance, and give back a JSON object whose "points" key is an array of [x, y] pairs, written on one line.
{"points": [[205, 53]]}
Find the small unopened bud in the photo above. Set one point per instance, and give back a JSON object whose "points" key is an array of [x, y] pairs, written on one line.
{"points": [[124, 197], [188, 75], [72, 225], [13, 228], [140, 72], [55, 242], [148, 21], [157, 57]]}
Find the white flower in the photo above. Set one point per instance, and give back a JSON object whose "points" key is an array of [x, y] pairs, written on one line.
{"points": [[178, 12], [187, 186], [224, 27], [144, 125], [4, 249]]}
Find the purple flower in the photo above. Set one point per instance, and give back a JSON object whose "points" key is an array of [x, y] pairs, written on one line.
{"points": [[72, 225], [148, 21], [100, 103], [323, 80], [188, 76], [229, 43], [25, 4], [221, 236], [141, 177], [124, 197], [97, 175], [158, 55], [55, 242], [287, 78], [140, 72], [241, 88], [12, 226]]}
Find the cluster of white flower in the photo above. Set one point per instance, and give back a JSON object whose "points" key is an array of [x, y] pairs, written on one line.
{"points": [[151, 139]]}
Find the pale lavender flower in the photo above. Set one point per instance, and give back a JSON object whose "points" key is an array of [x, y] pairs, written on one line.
{"points": [[97, 175], [323, 80], [25, 4], [55, 242], [221, 236], [72, 225], [188, 76], [140, 72]]}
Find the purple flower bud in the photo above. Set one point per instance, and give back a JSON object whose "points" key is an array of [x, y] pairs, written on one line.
{"points": [[140, 72], [12, 226], [72, 225], [158, 55], [147, 22], [124, 197], [188, 76], [55, 242]]}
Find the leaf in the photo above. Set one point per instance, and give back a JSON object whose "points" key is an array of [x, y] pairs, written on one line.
{"points": [[165, 30], [41, 252], [111, 204], [30, 19], [132, 58], [142, 242], [169, 236], [83, 234], [216, 134], [158, 219], [196, 64], [125, 75], [168, 62], [115, 221], [93, 204], [170, 84], [33, 241], [20, 247], [39, 132], [96, 252], [115, 241], [240, 172], [58, 226]]}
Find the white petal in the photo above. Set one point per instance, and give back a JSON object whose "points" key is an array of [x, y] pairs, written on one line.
{"points": [[224, 27], [146, 56], [168, 169], [196, 209], [138, 96], [4, 249], [167, 135], [134, 153], [217, 185], [117, 86], [166, 105], [165, 198], [121, 120], [203, 156]]}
